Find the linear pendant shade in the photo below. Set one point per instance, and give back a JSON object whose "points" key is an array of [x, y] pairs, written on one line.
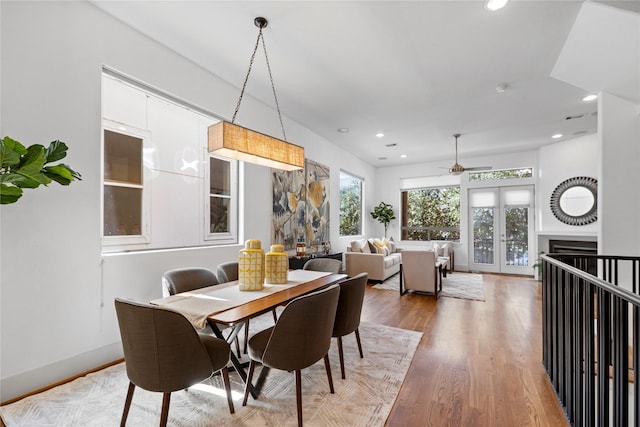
{"points": [[236, 142]]}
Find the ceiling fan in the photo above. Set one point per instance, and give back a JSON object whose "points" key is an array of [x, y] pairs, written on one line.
{"points": [[457, 168]]}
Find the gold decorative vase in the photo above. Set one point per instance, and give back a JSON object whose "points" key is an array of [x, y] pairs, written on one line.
{"points": [[276, 265], [251, 266]]}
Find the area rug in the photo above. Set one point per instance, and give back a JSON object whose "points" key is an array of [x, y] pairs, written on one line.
{"points": [[455, 285], [364, 398]]}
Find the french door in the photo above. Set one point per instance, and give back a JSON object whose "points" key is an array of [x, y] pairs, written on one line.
{"points": [[501, 229]]}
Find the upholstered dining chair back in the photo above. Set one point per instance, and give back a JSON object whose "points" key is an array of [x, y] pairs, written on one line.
{"points": [[348, 312], [302, 334], [187, 279], [419, 271], [161, 348], [227, 272], [323, 264], [164, 353]]}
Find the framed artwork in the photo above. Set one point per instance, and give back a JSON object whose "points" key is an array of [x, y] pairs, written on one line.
{"points": [[301, 205]]}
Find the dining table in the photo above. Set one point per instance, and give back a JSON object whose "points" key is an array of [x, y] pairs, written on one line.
{"points": [[226, 306]]}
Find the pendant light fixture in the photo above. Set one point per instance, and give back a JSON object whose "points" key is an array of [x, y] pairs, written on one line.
{"points": [[230, 140]]}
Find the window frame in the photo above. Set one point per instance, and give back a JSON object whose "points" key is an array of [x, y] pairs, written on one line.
{"points": [[231, 236], [404, 229], [145, 236], [361, 210]]}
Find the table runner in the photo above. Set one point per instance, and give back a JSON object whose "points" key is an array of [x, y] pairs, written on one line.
{"points": [[199, 304]]}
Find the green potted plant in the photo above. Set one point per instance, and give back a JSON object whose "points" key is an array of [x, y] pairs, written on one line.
{"points": [[384, 214], [29, 167], [537, 266]]}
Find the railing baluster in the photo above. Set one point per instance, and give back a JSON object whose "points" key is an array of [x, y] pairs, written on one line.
{"points": [[586, 336]]}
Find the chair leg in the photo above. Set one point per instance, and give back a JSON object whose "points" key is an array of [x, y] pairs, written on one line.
{"points": [[275, 316], [227, 388], [247, 386], [127, 404], [341, 354], [359, 343], [327, 367], [299, 396], [246, 335], [164, 415]]}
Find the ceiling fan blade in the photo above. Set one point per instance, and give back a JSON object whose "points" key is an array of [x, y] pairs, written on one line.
{"points": [[479, 168]]}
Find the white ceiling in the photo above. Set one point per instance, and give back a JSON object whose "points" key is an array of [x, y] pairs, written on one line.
{"points": [[419, 71]]}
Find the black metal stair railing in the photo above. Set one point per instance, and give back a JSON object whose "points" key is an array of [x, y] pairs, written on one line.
{"points": [[591, 336]]}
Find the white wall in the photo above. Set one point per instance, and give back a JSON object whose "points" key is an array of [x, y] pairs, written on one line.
{"points": [[558, 162], [56, 287], [619, 196]]}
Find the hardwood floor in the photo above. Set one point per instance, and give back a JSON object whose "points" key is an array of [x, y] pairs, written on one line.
{"points": [[478, 363]]}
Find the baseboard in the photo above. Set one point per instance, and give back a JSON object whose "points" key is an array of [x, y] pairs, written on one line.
{"points": [[21, 385]]}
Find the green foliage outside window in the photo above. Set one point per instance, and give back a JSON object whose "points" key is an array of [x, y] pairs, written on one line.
{"points": [[431, 214], [501, 174], [350, 206]]}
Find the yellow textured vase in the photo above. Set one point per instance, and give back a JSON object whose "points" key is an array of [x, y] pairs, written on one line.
{"points": [[276, 265], [251, 266]]}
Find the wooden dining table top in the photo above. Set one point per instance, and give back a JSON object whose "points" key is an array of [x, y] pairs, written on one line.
{"points": [[226, 304]]}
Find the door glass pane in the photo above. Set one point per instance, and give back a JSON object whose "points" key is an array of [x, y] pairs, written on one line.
{"points": [[483, 232], [219, 218], [517, 236], [122, 211]]}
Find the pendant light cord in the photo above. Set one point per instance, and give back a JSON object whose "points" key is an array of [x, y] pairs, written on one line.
{"points": [[246, 79]]}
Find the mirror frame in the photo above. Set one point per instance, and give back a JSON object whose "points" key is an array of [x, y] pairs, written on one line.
{"points": [[589, 217]]}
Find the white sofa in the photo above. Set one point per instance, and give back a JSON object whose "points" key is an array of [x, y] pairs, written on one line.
{"points": [[361, 256]]}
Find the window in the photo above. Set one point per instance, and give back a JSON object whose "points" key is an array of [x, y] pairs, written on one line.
{"points": [[501, 174], [123, 191], [350, 205], [161, 187], [221, 221], [431, 213]]}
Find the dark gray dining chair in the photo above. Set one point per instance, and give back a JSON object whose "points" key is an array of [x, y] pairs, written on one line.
{"points": [[164, 353], [348, 312], [300, 337], [323, 264], [189, 279], [228, 272]]}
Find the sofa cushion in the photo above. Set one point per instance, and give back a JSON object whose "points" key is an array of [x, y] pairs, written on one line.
{"points": [[360, 246], [390, 244], [372, 247]]}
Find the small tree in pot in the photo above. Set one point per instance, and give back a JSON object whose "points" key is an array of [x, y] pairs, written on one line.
{"points": [[384, 214]]}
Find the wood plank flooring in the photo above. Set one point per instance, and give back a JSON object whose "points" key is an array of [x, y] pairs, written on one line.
{"points": [[478, 363]]}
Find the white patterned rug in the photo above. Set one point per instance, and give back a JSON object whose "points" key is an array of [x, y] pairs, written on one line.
{"points": [[455, 285], [364, 398]]}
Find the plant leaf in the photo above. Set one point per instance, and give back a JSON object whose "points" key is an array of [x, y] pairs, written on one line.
{"points": [[57, 150], [9, 194], [31, 168], [61, 173], [10, 152]]}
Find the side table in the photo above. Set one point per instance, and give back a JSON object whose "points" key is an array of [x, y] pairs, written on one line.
{"points": [[296, 263]]}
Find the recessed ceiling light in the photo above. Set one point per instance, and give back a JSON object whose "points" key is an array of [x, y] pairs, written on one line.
{"points": [[556, 136], [501, 87], [379, 134], [494, 5], [343, 130], [403, 156], [590, 98]]}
